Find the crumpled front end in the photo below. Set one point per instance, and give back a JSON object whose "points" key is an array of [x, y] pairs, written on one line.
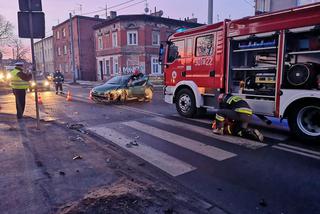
{"points": [[106, 97]]}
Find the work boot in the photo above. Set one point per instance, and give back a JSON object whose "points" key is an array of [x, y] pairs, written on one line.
{"points": [[218, 131], [61, 92], [56, 92]]}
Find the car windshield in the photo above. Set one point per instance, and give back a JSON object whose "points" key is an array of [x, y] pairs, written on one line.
{"points": [[118, 80]]}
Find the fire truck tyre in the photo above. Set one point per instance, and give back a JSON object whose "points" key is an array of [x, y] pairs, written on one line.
{"points": [[185, 103], [304, 122]]}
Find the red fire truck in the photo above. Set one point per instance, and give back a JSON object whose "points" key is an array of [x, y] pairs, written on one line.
{"points": [[271, 60]]}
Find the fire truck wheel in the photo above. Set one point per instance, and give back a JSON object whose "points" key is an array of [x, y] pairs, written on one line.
{"points": [[185, 103], [304, 122]]}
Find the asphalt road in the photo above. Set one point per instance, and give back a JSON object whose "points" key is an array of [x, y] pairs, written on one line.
{"points": [[280, 175]]}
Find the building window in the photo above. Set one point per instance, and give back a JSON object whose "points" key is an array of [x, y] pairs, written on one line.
{"points": [[155, 67], [263, 5], [107, 70], [65, 50], [155, 38], [59, 51], [100, 43], [58, 34], [115, 65], [63, 32], [204, 45], [303, 2], [132, 37], [114, 39]]}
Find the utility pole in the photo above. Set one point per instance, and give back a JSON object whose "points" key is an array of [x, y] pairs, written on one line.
{"points": [[33, 65], [43, 60], [210, 11], [72, 50], [106, 10]]}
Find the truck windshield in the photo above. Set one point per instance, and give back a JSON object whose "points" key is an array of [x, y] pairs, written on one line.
{"points": [[176, 51]]}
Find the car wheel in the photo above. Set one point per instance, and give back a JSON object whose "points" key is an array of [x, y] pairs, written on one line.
{"points": [[123, 96], [148, 94], [185, 103], [304, 122]]}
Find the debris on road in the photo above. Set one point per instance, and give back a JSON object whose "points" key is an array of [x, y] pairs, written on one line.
{"points": [[126, 196], [62, 173], [76, 139], [78, 157], [75, 126], [263, 203]]}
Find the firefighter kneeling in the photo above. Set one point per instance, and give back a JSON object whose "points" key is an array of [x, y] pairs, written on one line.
{"points": [[233, 117]]}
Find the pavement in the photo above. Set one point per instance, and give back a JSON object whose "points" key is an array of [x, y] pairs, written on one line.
{"points": [[230, 174]]}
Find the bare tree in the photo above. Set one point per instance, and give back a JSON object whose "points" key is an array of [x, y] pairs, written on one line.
{"points": [[6, 29], [21, 51]]}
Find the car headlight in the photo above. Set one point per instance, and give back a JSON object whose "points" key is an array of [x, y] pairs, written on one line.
{"points": [[46, 83], [1, 76], [9, 76], [33, 83]]}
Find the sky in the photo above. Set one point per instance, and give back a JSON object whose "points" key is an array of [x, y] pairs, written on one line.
{"points": [[58, 10]]}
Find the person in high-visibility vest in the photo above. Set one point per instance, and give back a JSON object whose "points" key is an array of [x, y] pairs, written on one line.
{"points": [[19, 84], [237, 113]]}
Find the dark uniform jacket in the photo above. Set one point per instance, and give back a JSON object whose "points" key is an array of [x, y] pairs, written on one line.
{"points": [[235, 103], [58, 77]]}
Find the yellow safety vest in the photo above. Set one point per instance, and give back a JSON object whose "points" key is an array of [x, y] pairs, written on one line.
{"points": [[17, 82]]}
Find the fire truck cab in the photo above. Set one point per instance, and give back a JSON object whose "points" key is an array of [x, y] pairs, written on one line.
{"points": [[271, 60]]}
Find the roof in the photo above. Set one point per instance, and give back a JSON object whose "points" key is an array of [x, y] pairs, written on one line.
{"points": [[283, 19], [144, 17], [79, 17], [44, 39], [201, 29]]}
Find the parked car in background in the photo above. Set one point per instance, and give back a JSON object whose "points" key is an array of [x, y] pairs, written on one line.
{"points": [[5, 76], [42, 84], [123, 88]]}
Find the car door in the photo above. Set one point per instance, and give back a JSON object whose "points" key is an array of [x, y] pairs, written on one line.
{"points": [[137, 87]]}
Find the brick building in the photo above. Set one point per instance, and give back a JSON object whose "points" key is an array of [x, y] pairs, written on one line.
{"points": [[83, 40], [129, 42], [263, 6], [46, 46]]}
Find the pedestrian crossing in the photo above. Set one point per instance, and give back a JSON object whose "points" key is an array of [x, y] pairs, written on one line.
{"points": [[167, 163], [170, 164]]}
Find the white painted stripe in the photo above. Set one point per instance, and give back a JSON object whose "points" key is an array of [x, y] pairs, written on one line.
{"points": [[297, 152], [169, 164], [273, 135], [140, 111], [299, 149], [196, 146], [207, 132]]}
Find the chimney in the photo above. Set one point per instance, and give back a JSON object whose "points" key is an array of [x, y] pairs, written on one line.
{"points": [[113, 14], [96, 16]]}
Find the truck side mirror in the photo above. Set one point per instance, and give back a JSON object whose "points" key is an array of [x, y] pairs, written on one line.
{"points": [[161, 54]]}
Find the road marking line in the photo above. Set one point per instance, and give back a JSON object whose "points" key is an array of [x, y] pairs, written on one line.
{"points": [[196, 146], [300, 149], [296, 152], [165, 162], [207, 132], [140, 111]]}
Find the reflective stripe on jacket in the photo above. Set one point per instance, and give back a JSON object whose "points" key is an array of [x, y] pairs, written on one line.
{"points": [[17, 82], [247, 111]]}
